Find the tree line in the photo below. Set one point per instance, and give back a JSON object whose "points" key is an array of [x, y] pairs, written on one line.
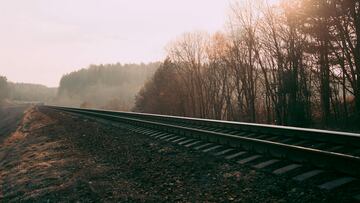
{"points": [[4, 89], [109, 86], [294, 63], [11, 91]]}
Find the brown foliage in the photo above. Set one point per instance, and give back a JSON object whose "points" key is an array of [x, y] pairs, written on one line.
{"points": [[288, 64]]}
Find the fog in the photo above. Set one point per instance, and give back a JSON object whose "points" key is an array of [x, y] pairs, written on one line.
{"points": [[110, 86], [41, 40]]}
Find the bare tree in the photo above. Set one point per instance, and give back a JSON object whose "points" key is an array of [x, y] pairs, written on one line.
{"points": [[188, 53]]}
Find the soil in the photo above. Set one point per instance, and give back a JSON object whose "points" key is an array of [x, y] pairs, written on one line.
{"points": [[57, 157], [10, 116]]}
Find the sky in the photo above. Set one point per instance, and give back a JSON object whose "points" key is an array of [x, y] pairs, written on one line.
{"points": [[40, 40]]}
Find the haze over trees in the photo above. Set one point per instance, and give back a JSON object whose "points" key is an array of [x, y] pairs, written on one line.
{"points": [[24, 92], [31, 92], [295, 63], [110, 86], [292, 63], [4, 89]]}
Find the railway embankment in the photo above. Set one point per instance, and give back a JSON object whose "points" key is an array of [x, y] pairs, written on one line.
{"points": [[54, 156]]}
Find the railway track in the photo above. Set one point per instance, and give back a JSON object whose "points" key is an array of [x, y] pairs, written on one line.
{"points": [[327, 158]]}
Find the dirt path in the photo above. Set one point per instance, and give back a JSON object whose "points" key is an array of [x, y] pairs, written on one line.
{"points": [[59, 158]]}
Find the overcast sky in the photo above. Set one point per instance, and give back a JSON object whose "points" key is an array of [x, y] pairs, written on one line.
{"points": [[40, 40]]}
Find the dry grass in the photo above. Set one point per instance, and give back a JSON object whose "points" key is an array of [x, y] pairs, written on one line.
{"points": [[34, 165]]}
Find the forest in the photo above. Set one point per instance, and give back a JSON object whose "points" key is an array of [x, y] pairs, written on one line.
{"points": [[294, 63], [25, 92], [4, 89], [31, 92], [109, 86]]}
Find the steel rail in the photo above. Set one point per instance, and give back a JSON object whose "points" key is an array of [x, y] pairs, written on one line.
{"points": [[343, 138], [333, 161]]}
